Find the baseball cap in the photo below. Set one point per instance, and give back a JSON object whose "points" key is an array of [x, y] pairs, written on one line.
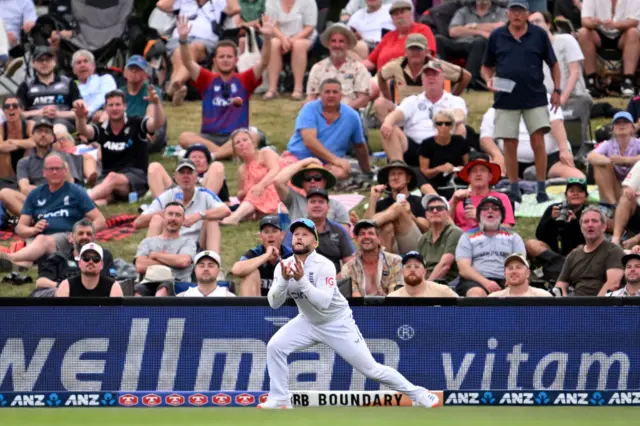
{"points": [[622, 115], [524, 4], [305, 223], [416, 40], [430, 197], [412, 255], [432, 65], [92, 247], [628, 257], [516, 256], [138, 61], [364, 223], [270, 221], [581, 182], [318, 191], [185, 163], [207, 253], [42, 122], [42, 51], [400, 4]]}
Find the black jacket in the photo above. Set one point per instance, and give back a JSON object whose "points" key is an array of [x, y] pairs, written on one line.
{"points": [[569, 234]]}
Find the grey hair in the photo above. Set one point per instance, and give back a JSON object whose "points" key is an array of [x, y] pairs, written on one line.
{"points": [[447, 113], [83, 53], [56, 154], [330, 81], [595, 209], [84, 223]]}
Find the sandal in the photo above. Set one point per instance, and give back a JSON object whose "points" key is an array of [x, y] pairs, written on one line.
{"points": [[269, 95], [297, 95]]}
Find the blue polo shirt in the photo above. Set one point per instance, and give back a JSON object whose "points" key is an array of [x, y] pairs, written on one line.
{"points": [[520, 61], [336, 137]]}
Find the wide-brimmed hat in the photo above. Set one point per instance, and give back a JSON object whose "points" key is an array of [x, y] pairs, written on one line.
{"points": [[157, 273], [338, 28], [400, 4], [496, 173], [298, 179], [383, 174]]}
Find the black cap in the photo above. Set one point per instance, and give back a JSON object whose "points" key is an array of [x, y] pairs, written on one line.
{"points": [[270, 221], [579, 182], [493, 200], [363, 224], [198, 147], [318, 191], [412, 255], [42, 51], [628, 257], [42, 122]]}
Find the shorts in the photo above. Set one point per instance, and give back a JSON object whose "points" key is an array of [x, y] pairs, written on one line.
{"points": [[608, 43], [465, 285], [508, 121], [209, 46], [551, 160], [62, 241], [150, 288], [407, 242], [137, 182], [219, 140]]}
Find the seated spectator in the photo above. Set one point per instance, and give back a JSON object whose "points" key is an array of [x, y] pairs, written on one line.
{"points": [[516, 275], [123, 146], [225, 93], [136, 91], [480, 175], [202, 210], [202, 26], [415, 282], [610, 25], [207, 266], [93, 87], [400, 215], [326, 129], [257, 265], [558, 231], [30, 169], [612, 159], [627, 216], [333, 240], [91, 282], [631, 264], [415, 113], [373, 271], [306, 175], [595, 268], [256, 174], [569, 10], [560, 162], [353, 76], [355, 5], [42, 98], [369, 23], [438, 245], [481, 251], [169, 249], [59, 266], [406, 72], [15, 137], [64, 142], [441, 155], [469, 31], [295, 32], [49, 213], [251, 11]]}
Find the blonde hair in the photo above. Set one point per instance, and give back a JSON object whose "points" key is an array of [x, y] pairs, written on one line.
{"points": [[446, 113], [252, 135]]}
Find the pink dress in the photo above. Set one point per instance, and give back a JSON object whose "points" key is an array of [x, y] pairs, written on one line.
{"points": [[268, 202]]}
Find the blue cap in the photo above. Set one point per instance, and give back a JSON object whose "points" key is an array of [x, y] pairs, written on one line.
{"points": [[623, 115], [305, 223], [412, 255], [138, 61], [518, 3]]}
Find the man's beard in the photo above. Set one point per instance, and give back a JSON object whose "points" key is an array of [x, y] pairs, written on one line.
{"points": [[206, 280], [79, 244], [91, 273], [635, 281], [303, 250], [490, 225], [413, 280], [47, 74]]}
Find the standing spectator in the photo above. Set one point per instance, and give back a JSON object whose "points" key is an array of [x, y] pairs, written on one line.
{"points": [[373, 271], [353, 76], [15, 137], [306, 175], [257, 265], [123, 146], [627, 216], [438, 245], [48, 94], [631, 264], [416, 114], [202, 210], [516, 276], [93, 87], [595, 268], [91, 282], [225, 93], [481, 175], [369, 23], [612, 160], [326, 129], [469, 30], [481, 252], [415, 284], [168, 249], [207, 266], [516, 52], [610, 24], [256, 174], [295, 31]]}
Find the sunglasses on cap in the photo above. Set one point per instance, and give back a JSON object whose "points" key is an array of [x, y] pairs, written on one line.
{"points": [[12, 105], [578, 181], [91, 258], [314, 178]]}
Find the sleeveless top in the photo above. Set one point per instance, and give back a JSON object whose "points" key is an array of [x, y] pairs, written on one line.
{"points": [[18, 153], [103, 289]]}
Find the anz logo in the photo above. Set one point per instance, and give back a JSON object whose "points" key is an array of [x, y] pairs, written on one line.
{"points": [[117, 146]]}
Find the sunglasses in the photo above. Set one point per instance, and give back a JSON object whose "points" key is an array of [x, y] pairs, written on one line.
{"points": [[443, 123], [492, 208], [11, 106], [91, 258], [435, 209], [316, 178]]}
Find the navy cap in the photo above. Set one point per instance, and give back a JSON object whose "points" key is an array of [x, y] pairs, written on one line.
{"points": [[42, 122], [41, 51], [318, 191], [198, 147], [270, 221], [524, 4], [412, 255]]}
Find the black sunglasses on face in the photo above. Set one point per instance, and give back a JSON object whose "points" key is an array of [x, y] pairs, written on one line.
{"points": [[436, 209], [443, 123], [313, 178], [11, 106], [91, 258]]}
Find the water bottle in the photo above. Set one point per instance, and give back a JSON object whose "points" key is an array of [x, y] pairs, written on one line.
{"points": [[467, 202], [283, 218], [133, 197]]}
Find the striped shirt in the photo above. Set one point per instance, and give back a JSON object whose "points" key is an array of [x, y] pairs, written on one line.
{"points": [[487, 253]]}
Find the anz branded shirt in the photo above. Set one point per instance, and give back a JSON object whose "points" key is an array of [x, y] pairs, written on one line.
{"points": [[487, 253], [127, 149], [62, 92]]}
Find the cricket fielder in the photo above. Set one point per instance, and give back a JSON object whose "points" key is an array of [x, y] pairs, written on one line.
{"points": [[325, 317]]}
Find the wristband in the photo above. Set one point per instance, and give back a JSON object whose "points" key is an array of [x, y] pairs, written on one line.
{"points": [[181, 41]]}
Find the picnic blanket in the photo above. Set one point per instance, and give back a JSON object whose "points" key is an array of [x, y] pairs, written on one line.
{"points": [[350, 201], [531, 208]]}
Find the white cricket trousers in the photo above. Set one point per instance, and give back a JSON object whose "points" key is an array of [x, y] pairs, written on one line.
{"points": [[344, 337]]}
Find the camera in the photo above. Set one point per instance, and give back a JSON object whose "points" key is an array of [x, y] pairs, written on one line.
{"points": [[564, 213]]}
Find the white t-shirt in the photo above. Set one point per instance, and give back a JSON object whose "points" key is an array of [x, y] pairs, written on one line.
{"points": [[525, 152], [201, 18], [625, 9], [531, 292], [418, 113], [567, 50], [218, 292], [370, 25]]}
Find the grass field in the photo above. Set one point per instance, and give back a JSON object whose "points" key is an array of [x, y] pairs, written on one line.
{"points": [[453, 416], [276, 118]]}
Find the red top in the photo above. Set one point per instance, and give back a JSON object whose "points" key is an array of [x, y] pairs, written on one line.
{"points": [[392, 45]]}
